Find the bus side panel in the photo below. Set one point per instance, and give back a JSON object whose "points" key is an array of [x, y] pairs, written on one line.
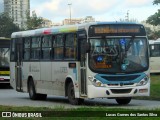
{"points": [[34, 71], [61, 71], [25, 75], [45, 86], [155, 64]]}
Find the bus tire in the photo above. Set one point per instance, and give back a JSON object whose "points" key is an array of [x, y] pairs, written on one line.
{"points": [[123, 101], [71, 95], [31, 89]]}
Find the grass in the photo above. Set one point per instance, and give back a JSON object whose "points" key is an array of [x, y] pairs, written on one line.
{"points": [[95, 113]]}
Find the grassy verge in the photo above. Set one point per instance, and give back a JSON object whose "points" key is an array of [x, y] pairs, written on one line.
{"points": [[95, 113]]}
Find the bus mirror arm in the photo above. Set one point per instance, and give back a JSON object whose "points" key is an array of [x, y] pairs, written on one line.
{"points": [[87, 47]]}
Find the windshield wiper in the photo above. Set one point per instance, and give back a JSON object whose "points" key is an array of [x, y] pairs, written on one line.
{"points": [[130, 43], [123, 62]]}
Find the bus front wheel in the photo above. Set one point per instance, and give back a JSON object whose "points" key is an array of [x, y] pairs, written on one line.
{"points": [[123, 101], [71, 95]]}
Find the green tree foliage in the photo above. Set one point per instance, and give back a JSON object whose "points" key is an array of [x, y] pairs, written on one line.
{"points": [[7, 27], [156, 2], [154, 19], [33, 21]]}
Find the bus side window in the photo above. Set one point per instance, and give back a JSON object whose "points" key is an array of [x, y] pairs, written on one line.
{"points": [[26, 54], [71, 46], [46, 47], [155, 50], [35, 48], [58, 47]]}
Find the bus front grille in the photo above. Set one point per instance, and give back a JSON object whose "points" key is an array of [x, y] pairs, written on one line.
{"points": [[121, 91]]}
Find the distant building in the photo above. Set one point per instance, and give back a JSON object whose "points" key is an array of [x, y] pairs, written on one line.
{"points": [[47, 23], [57, 24], [17, 10], [89, 19], [78, 20], [72, 21]]}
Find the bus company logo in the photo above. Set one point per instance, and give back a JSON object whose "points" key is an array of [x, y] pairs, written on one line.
{"points": [[121, 84], [6, 114]]}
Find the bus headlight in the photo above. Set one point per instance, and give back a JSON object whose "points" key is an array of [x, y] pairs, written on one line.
{"points": [[144, 81], [96, 82]]}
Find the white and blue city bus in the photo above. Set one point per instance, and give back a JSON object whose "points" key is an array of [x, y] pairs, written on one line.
{"points": [[93, 60]]}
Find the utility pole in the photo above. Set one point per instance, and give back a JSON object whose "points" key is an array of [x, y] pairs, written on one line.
{"points": [[70, 11], [127, 16]]}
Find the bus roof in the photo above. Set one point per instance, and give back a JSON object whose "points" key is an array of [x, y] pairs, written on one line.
{"points": [[154, 41], [62, 29]]}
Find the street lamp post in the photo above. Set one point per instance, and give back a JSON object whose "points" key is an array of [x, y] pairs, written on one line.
{"points": [[70, 11]]}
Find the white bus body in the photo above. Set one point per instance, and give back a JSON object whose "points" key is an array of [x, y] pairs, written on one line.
{"points": [[154, 56], [82, 61]]}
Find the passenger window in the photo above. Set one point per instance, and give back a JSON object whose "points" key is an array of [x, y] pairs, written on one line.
{"points": [[46, 47], [58, 47], [26, 52], [71, 47], [35, 48]]}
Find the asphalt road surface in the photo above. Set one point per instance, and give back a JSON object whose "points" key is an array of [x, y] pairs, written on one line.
{"points": [[10, 97]]}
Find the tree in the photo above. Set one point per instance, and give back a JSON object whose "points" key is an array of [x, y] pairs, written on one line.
{"points": [[149, 32], [156, 2], [154, 19], [33, 21], [7, 27]]}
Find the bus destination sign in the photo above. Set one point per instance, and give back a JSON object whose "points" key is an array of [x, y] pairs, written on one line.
{"points": [[116, 29]]}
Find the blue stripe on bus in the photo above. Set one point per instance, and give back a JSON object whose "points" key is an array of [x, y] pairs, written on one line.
{"points": [[75, 72], [105, 81]]}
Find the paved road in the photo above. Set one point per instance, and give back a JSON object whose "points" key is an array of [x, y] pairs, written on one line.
{"points": [[13, 98]]}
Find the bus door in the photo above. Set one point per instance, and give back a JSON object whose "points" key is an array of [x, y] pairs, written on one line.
{"points": [[18, 65], [82, 42]]}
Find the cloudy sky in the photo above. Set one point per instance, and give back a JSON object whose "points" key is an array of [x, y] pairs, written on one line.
{"points": [[101, 10], [1, 6]]}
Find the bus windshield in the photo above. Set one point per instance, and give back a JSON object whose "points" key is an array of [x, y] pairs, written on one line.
{"points": [[4, 57], [118, 55]]}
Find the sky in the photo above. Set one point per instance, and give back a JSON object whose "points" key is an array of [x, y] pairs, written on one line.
{"points": [[1, 6], [101, 10]]}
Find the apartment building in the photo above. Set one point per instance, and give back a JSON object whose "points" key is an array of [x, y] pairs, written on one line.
{"points": [[17, 10]]}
